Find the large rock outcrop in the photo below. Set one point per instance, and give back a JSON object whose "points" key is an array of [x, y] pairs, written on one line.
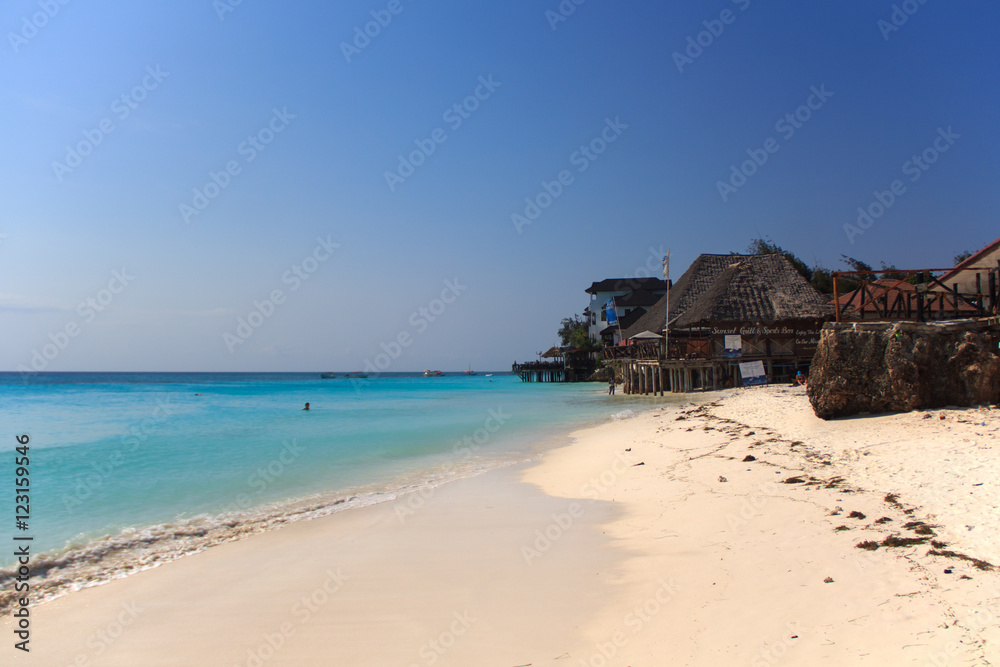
{"points": [[897, 367]]}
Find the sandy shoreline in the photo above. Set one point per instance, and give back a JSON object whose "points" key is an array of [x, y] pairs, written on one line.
{"points": [[647, 541]]}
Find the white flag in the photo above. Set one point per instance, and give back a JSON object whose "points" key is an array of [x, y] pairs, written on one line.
{"points": [[666, 266]]}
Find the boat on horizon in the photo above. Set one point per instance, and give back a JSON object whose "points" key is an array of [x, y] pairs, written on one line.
{"points": [[432, 374], [470, 371], [327, 376]]}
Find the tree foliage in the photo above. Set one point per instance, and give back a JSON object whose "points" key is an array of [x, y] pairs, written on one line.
{"points": [[962, 256], [822, 278], [573, 333], [856, 264], [762, 246]]}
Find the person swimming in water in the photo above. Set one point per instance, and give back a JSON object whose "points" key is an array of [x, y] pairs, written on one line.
{"points": [[307, 407]]}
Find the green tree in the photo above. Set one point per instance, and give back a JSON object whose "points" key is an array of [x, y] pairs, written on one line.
{"points": [[822, 279], [892, 272], [962, 256], [856, 264], [573, 333]]}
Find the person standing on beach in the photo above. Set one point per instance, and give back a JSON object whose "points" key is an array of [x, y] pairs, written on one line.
{"points": [[611, 385]]}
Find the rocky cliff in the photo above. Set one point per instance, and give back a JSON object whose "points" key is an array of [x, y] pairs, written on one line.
{"points": [[897, 367]]}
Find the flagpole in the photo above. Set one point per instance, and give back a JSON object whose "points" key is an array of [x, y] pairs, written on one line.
{"points": [[666, 323]]}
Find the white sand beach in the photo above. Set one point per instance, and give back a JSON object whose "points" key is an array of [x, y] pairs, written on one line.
{"points": [[648, 541]]}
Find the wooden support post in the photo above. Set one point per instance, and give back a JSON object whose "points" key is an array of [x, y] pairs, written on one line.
{"points": [[979, 294], [992, 280], [920, 297], [836, 297], [954, 295]]}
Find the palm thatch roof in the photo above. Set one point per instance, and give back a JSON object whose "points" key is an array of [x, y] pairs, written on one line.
{"points": [[736, 288]]}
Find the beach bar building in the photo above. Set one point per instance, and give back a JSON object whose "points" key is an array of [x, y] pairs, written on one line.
{"points": [[725, 310]]}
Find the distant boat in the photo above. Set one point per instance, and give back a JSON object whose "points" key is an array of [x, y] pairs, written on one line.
{"points": [[357, 375], [470, 371], [433, 374], [327, 376], [489, 375]]}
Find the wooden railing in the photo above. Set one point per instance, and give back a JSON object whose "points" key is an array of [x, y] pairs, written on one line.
{"points": [[929, 298]]}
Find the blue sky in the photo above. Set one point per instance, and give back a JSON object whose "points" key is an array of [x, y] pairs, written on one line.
{"points": [[205, 81]]}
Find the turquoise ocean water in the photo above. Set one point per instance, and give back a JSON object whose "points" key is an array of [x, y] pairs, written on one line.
{"points": [[129, 464]]}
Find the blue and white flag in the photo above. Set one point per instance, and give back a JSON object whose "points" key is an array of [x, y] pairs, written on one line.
{"points": [[612, 315]]}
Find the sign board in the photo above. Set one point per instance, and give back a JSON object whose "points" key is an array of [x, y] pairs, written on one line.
{"points": [[733, 347], [753, 373]]}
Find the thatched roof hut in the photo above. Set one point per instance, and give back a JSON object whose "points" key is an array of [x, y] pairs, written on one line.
{"points": [[736, 289]]}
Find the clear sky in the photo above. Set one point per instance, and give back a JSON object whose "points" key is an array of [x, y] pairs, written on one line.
{"points": [[200, 149]]}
